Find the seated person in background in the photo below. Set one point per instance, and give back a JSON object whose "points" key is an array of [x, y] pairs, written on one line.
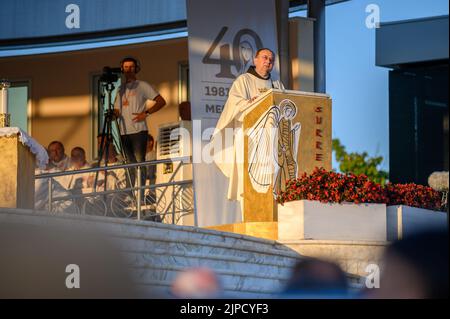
{"points": [[151, 169], [40, 187], [151, 156], [58, 160], [78, 159], [77, 162], [184, 109], [60, 183]]}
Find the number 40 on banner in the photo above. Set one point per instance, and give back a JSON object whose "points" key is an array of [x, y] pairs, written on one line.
{"points": [[240, 54]]}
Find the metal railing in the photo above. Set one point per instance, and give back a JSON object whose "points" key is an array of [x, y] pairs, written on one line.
{"points": [[166, 202]]}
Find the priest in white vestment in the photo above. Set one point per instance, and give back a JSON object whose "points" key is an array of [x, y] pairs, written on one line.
{"points": [[244, 90]]}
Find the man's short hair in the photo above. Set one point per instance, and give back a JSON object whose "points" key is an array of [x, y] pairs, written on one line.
{"points": [[56, 142], [264, 49], [137, 63], [184, 109], [79, 151]]}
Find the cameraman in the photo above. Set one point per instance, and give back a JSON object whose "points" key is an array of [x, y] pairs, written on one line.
{"points": [[135, 100]]}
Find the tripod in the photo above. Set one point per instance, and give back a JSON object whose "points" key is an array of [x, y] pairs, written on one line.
{"points": [[106, 141]]}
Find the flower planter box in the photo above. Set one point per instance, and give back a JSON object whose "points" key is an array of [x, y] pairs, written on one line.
{"points": [[304, 219], [405, 220]]}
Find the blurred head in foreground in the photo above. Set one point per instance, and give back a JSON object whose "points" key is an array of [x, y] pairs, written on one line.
{"points": [[41, 261], [315, 278], [415, 267], [196, 283]]}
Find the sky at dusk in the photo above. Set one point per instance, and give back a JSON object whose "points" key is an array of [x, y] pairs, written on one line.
{"points": [[358, 87]]}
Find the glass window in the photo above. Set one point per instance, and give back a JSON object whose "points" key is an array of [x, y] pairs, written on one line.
{"points": [[18, 101]]}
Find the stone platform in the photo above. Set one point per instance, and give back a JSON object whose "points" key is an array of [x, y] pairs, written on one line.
{"points": [[248, 267], [352, 256]]}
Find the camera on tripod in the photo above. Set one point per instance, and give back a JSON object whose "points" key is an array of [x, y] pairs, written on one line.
{"points": [[106, 85], [110, 75]]}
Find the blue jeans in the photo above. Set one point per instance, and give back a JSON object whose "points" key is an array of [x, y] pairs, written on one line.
{"points": [[135, 147]]}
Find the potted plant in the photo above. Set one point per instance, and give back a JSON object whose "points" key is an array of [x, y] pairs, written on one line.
{"points": [[326, 205], [332, 206], [412, 207]]}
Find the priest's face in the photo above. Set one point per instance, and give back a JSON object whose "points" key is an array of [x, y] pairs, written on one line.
{"points": [[264, 62]]}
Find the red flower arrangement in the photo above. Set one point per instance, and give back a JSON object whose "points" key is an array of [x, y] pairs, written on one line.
{"points": [[332, 187], [413, 195]]}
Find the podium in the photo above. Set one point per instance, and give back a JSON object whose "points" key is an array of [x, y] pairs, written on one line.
{"points": [[286, 133], [16, 169]]}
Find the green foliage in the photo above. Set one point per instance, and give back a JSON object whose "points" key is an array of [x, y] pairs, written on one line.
{"points": [[359, 163]]}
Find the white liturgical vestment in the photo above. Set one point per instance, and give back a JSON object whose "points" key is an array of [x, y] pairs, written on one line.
{"points": [[228, 151]]}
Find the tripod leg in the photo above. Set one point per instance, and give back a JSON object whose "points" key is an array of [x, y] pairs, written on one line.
{"points": [[126, 160], [102, 148]]}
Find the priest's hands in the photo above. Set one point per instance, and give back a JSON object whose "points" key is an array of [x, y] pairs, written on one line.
{"points": [[252, 99]]}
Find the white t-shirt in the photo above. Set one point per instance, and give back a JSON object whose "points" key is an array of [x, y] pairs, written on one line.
{"points": [[131, 98]]}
